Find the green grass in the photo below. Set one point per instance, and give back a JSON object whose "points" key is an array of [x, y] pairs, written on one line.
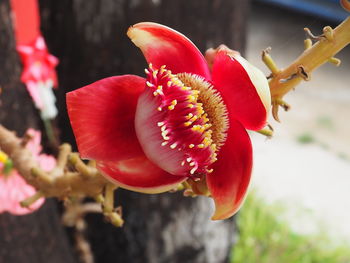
{"points": [[305, 138], [265, 239]]}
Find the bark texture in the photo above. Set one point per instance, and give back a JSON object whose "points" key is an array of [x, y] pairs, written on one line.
{"points": [[38, 237], [89, 39]]}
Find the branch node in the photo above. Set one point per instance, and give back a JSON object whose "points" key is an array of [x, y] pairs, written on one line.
{"points": [[335, 61], [268, 132], [64, 150], [307, 43], [32, 199], [301, 72], [312, 36], [269, 62], [80, 166], [328, 33], [41, 175]]}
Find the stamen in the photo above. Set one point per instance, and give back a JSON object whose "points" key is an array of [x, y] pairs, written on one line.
{"points": [[194, 117]]}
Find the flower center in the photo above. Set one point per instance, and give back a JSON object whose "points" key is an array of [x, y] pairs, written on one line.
{"points": [[194, 117]]}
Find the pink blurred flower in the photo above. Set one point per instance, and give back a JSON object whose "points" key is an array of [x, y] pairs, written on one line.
{"points": [[14, 189], [39, 75]]}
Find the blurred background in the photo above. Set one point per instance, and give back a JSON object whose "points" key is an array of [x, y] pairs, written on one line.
{"points": [[298, 206], [302, 175]]}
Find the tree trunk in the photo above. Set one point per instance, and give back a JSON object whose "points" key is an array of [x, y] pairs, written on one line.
{"points": [[38, 237], [89, 39]]}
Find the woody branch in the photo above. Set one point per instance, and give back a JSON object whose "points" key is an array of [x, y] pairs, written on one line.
{"points": [[71, 178], [324, 49]]}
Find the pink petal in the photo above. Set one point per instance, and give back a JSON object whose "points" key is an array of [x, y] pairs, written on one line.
{"points": [[162, 45], [33, 145], [15, 189], [46, 162], [230, 179], [102, 117], [150, 138], [139, 175], [245, 89]]}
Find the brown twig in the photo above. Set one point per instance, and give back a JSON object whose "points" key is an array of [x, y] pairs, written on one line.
{"points": [[326, 47], [70, 179]]}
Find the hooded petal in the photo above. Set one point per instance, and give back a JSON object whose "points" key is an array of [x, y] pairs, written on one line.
{"points": [[140, 175], [162, 45], [102, 117], [230, 179], [245, 87]]}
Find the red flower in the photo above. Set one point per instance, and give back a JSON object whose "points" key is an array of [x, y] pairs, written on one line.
{"points": [[184, 121]]}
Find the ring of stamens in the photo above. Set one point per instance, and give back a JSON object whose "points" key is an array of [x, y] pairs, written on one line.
{"points": [[194, 117]]}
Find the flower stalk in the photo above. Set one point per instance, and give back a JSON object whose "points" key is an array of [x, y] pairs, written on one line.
{"points": [[324, 49], [70, 179]]}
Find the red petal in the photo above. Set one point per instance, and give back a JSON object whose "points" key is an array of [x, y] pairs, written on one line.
{"points": [[230, 179], [139, 175], [102, 116], [244, 88], [162, 45]]}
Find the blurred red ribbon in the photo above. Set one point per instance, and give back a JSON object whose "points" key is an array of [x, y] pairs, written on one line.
{"points": [[39, 65]]}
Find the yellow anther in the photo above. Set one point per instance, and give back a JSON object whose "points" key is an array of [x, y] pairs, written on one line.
{"points": [[150, 65], [162, 69], [189, 116], [146, 71], [191, 145], [210, 170], [190, 105], [201, 146], [173, 104], [187, 123], [207, 141], [195, 92], [160, 124], [193, 170], [194, 118], [173, 146], [159, 109], [155, 73], [149, 84], [192, 164], [196, 128], [189, 159], [164, 143], [191, 98], [182, 163], [207, 126]]}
